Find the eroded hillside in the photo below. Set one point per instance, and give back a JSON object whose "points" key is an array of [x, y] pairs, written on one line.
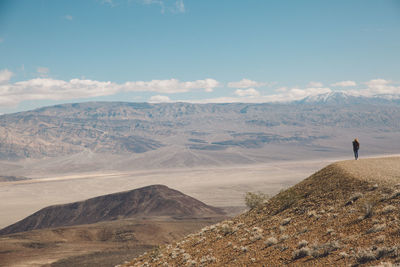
{"points": [[135, 128], [345, 214]]}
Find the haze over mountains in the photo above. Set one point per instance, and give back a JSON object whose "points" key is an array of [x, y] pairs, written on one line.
{"points": [[86, 136]]}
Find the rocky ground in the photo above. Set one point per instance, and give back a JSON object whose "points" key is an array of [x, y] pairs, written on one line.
{"points": [[347, 214]]}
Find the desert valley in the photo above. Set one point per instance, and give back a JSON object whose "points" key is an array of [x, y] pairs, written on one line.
{"points": [[85, 152], [178, 133]]}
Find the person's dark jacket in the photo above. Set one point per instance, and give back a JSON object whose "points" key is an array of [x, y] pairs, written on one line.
{"points": [[356, 145]]}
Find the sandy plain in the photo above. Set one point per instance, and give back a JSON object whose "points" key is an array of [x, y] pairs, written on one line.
{"points": [[217, 186], [223, 186]]}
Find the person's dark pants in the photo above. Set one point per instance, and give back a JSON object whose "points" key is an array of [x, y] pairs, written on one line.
{"points": [[356, 154]]}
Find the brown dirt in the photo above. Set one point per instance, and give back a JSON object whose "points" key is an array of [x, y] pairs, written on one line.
{"points": [[346, 214], [100, 244]]}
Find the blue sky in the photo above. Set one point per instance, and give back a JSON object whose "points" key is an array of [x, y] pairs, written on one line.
{"points": [[54, 51]]}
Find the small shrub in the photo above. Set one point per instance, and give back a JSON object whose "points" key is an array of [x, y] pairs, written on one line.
{"points": [[386, 252], [344, 255], [283, 248], [286, 221], [283, 238], [256, 236], [226, 229], [192, 263], [312, 213], [388, 209], [154, 254], [377, 228], [364, 256], [324, 250], [303, 230], [379, 239], [301, 253], [368, 210], [395, 194], [330, 231], [257, 229], [207, 259], [270, 241], [354, 198], [302, 244], [287, 198], [255, 200]]}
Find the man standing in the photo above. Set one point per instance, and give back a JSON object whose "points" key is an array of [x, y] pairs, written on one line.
{"points": [[356, 147]]}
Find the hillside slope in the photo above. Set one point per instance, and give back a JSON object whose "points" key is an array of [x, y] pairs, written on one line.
{"points": [[154, 200], [346, 214]]}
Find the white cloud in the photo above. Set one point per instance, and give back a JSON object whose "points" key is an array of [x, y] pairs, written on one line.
{"points": [[171, 86], [159, 99], [173, 6], [315, 84], [180, 6], [68, 17], [51, 89], [345, 84], [251, 92], [287, 96], [245, 83], [381, 86], [377, 83], [5, 76], [43, 71], [109, 2]]}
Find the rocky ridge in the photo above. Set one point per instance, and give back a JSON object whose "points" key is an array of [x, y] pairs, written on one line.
{"points": [[346, 214]]}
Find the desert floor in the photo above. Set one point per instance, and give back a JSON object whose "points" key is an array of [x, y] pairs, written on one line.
{"points": [[217, 186]]}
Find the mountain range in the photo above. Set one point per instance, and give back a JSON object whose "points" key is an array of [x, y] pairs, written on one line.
{"points": [[128, 135]]}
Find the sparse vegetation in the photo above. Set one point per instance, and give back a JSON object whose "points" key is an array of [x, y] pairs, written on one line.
{"points": [[270, 241], [323, 250], [354, 198], [388, 209], [286, 221], [302, 244], [377, 228], [342, 241], [287, 198], [364, 256], [301, 253], [255, 200]]}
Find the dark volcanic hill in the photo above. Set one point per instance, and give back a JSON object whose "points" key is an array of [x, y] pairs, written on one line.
{"points": [[154, 200]]}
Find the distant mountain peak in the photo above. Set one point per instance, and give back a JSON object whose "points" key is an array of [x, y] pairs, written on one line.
{"points": [[331, 97], [342, 97]]}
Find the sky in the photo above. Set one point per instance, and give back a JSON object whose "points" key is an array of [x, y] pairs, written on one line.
{"points": [[198, 51]]}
